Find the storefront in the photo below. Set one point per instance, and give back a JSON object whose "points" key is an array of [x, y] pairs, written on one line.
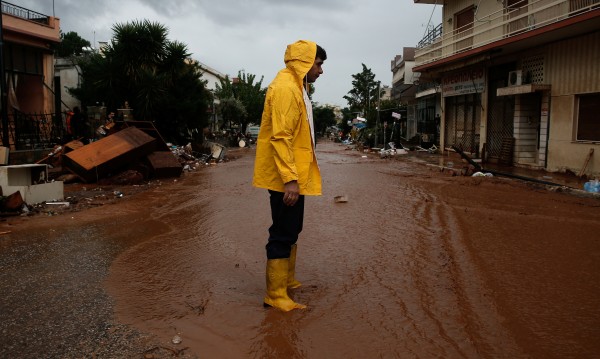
{"points": [[461, 92]]}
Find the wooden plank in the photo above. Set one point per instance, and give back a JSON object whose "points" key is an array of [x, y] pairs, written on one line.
{"points": [[150, 129], [110, 154]]}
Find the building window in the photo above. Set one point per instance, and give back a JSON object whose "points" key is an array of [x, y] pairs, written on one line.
{"points": [[23, 59], [463, 29], [588, 124]]}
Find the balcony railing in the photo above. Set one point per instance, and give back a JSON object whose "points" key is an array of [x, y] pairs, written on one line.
{"points": [[430, 37], [27, 14], [29, 131], [501, 24]]}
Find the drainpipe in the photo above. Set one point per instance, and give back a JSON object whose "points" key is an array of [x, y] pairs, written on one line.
{"points": [[3, 102]]}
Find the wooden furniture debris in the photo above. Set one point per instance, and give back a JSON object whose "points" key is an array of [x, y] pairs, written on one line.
{"points": [[13, 202], [55, 157], [164, 164], [72, 145], [110, 154], [149, 128]]}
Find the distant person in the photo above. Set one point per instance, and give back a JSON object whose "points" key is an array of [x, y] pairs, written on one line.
{"points": [[286, 165], [78, 124], [108, 127]]}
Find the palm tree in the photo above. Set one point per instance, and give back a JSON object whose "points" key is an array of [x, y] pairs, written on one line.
{"points": [[154, 75]]}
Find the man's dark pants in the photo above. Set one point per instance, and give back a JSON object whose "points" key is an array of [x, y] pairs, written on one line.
{"points": [[287, 225]]}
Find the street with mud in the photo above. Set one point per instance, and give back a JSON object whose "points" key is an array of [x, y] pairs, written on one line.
{"points": [[416, 264]]}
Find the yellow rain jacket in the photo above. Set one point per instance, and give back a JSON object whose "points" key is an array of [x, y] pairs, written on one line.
{"points": [[284, 149]]}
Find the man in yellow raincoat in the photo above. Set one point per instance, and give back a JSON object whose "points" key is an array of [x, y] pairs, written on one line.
{"points": [[286, 164]]}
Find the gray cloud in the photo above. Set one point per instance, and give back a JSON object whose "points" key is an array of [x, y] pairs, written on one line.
{"points": [[251, 34]]}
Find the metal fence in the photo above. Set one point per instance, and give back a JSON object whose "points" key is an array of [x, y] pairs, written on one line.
{"points": [[24, 13], [462, 122], [27, 131]]}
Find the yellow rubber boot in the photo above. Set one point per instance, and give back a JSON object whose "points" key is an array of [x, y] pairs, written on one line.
{"points": [[277, 274], [291, 280]]}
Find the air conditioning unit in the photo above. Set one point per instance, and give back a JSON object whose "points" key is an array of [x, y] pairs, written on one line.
{"points": [[515, 78]]}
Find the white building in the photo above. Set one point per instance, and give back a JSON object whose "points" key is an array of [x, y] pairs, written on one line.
{"points": [[212, 76], [519, 80]]}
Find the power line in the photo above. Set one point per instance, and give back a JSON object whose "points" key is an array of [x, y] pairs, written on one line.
{"points": [[430, 16]]}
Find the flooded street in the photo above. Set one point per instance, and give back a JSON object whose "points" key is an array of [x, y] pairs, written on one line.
{"points": [[417, 264]]}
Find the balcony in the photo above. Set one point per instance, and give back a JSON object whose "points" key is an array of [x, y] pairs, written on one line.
{"points": [[27, 27], [17, 11], [502, 27]]}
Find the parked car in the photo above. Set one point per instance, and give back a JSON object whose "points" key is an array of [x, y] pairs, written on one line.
{"points": [[253, 131]]}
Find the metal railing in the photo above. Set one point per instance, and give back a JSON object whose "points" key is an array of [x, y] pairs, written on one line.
{"points": [[28, 131], [504, 23], [24, 13], [431, 36]]}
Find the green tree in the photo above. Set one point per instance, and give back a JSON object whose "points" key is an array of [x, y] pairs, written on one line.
{"points": [[71, 44], [363, 96], [154, 75], [248, 91], [225, 88], [323, 117], [233, 111]]}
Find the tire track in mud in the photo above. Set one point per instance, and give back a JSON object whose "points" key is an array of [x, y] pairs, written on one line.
{"points": [[424, 283], [449, 285], [418, 279]]}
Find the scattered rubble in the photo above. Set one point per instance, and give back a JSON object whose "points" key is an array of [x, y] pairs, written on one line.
{"points": [[340, 199], [135, 157]]}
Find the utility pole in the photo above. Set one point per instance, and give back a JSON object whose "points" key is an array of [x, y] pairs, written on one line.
{"points": [[378, 108]]}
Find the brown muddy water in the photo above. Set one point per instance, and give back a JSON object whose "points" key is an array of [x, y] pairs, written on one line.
{"points": [[416, 264]]}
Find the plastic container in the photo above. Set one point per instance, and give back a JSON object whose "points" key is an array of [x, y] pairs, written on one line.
{"points": [[592, 186]]}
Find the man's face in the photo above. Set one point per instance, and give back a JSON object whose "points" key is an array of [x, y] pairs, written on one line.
{"points": [[315, 71]]}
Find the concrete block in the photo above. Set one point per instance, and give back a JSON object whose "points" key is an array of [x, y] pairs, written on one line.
{"points": [[31, 181]]}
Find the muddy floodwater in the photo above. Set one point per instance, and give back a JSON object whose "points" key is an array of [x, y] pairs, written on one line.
{"points": [[416, 264]]}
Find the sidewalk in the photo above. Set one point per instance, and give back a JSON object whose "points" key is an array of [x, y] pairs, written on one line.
{"points": [[454, 160]]}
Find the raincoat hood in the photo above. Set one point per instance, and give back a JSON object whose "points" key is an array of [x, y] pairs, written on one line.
{"points": [[300, 57]]}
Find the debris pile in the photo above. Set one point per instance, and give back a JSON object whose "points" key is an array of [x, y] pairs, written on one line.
{"points": [[131, 156]]}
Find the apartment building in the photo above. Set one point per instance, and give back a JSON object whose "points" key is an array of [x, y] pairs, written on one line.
{"points": [[403, 90], [28, 70], [519, 80]]}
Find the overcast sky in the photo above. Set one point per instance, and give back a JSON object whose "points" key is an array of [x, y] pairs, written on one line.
{"points": [[251, 35]]}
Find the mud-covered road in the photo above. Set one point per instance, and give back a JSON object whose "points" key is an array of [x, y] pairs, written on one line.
{"points": [[417, 264]]}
